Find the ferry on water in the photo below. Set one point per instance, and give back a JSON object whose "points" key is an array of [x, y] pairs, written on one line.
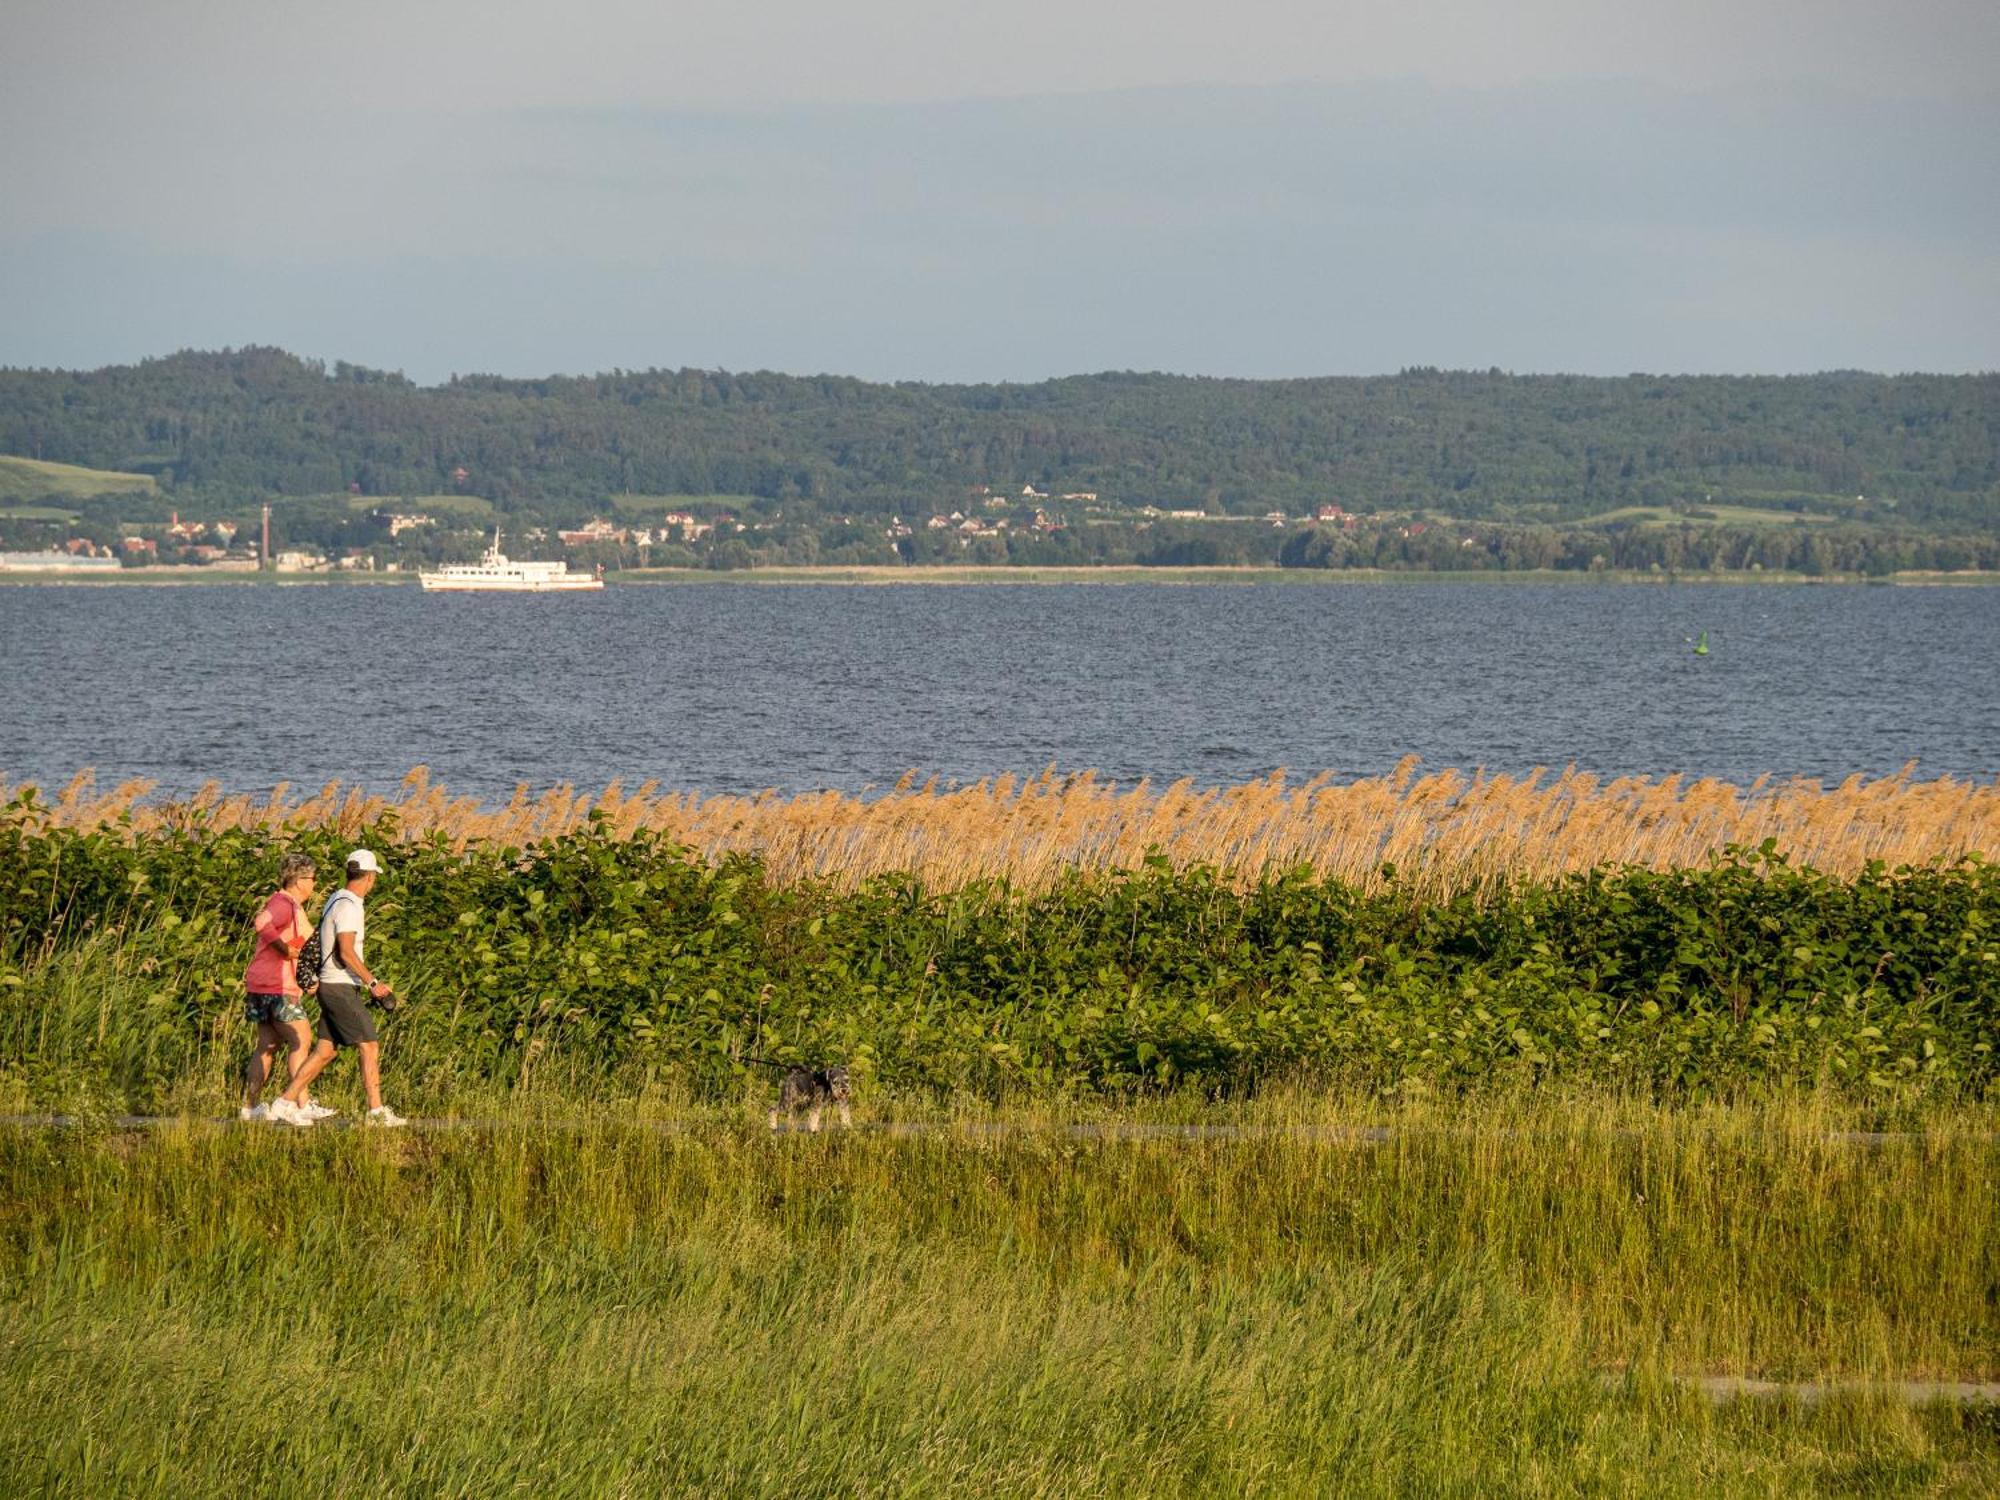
{"points": [[495, 571]]}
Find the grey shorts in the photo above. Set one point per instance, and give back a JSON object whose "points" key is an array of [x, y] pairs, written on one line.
{"points": [[343, 1014]]}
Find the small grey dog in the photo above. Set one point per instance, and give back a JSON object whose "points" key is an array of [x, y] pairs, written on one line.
{"points": [[813, 1089]]}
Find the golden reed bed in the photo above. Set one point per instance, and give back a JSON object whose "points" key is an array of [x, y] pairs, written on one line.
{"points": [[1445, 831]]}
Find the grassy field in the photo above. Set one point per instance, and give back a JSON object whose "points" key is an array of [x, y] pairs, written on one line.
{"points": [[970, 573], [1495, 1303], [30, 479], [1164, 1181], [1711, 515], [645, 505], [170, 576], [463, 507], [456, 507], [991, 576], [974, 573]]}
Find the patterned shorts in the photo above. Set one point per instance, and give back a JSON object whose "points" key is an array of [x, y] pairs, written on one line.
{"points": [[273, 1008]]}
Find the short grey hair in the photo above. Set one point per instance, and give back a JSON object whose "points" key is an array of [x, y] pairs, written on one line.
{"points": [[293, 866]]}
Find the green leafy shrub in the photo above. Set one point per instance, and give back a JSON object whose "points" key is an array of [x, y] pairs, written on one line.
{"points": [[122, 953]]}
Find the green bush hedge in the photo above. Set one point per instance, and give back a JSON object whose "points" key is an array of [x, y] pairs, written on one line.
{"points": [[126, 953]]}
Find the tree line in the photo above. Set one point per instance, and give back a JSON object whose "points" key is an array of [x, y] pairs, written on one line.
{"points": [[229, 427]]}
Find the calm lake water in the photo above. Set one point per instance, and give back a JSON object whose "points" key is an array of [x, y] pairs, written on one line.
{"points": [[728, 688]]}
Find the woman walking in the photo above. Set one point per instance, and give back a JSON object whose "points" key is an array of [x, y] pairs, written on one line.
{"points": [[274, 996]]}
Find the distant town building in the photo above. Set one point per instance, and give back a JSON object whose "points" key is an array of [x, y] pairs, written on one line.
{"points": [[598, 530], [299, 562], [56, 562], [692, 527]]}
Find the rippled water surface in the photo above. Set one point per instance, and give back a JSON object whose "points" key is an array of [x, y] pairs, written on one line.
{"points": [[740, 688]]}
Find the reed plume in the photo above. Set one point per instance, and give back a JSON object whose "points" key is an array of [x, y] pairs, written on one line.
{"points": [[1443, 831]]}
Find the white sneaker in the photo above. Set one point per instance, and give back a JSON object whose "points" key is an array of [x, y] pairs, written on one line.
{"points": [[316, 1109], [284, 1112], [386, 1117], [256, 1112]]}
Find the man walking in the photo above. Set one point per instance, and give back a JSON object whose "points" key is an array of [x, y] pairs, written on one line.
{"points": [[346, 987]]}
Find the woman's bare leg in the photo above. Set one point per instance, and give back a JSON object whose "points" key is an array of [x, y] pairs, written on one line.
{"points": [[269, 1040], [299, 1040]]}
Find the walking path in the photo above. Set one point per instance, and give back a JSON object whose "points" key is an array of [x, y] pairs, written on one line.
{"points": [[1085, 1130], [1722, 1389]]}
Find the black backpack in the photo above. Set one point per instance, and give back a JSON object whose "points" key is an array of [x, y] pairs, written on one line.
{"points": [[306, 973], [313, 957]]}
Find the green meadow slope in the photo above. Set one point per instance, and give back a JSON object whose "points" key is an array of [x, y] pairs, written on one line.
{"points": [[24, 481]]}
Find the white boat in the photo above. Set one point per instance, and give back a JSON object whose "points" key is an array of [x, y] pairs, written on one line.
{"points": [[497, 572]]}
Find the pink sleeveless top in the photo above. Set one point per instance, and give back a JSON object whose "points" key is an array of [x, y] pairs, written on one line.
{"points": [[282, 929]]}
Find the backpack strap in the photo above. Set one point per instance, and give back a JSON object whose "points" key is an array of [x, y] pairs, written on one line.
{"points": [[329, 949]]}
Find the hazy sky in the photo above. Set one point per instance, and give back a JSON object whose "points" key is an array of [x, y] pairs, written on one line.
{"points": [[945, 191]]}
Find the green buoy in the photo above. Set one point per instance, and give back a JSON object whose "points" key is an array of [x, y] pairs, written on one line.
{"points": [[1701, 646]]}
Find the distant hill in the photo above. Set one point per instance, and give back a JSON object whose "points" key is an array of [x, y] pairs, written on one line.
{"points": [[31, 482], [1920, 450]]}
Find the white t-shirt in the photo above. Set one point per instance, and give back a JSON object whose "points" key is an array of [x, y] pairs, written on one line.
{"points": [[343, 914]]}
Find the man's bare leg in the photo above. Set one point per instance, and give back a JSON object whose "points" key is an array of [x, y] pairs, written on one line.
{"points": [[371, 1073], [322, 1054]]}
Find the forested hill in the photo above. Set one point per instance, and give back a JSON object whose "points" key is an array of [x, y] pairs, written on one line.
{"points": [[236, 425]]}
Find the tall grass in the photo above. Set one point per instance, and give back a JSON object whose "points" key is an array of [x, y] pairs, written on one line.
{"points": [[1491, 1304], [602, 1277], [1444, 831]]}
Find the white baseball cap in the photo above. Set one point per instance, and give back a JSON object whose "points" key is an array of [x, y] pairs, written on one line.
{"points": [[363, 859]]}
